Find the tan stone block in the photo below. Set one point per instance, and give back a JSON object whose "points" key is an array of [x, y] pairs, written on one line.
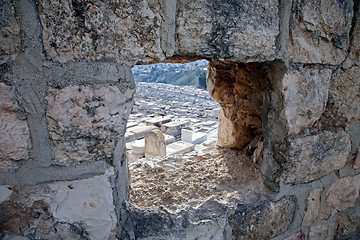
{"points": [[341, 195], [14, 131], [305, 92], [155, 144], [312, 208], [239, 89]]}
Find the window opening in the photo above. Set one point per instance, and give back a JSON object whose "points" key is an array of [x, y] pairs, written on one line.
{"points": [[172, 133]]}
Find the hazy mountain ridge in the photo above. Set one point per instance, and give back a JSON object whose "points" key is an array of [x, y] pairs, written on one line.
{"points": [[190, 74]]}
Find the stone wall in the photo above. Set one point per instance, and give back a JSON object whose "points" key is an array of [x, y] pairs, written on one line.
{"points": [[286, 70]]}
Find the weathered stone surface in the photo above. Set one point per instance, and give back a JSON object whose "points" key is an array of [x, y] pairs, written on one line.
{"points": [[305, 92], [341, 195], [208, 221], [311, 157], [155, 144], [9, 32], [145, 30], [5, 192], [85, 123], [344, 98], [239, 89], [348, 226], [14, 131], [296, 236], [262, 219], [355, 36], [81, 209], [241, 30], [322, 231], [319, 31], [103, 30], [356, 164], [312, 208]]}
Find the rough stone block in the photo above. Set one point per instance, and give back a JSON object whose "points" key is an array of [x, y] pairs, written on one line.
{"points": [[311, 157], [322, 231], [5, 193], [305, 94], [86, 31], [80, 209], [355, 37], [262, 219], [312, 208], [356, 164], [344, 98], [85, 123], [9, 32], [14, 130], [348, 226], [241, 30], [240, 90], [319, 31], [341, 195]]}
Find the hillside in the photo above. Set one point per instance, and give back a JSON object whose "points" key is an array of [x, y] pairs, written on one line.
{"points": [[189, 74]]}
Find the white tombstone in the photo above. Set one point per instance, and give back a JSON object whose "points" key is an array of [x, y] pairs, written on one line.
{"points": [[186, 135], [155, 144]]}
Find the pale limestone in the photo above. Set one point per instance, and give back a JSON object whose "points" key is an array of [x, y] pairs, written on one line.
{"points": [[89, 201], [319, 31], [14, 130], [79, 209], [85, 123], [141, 131], [341, 195], [122, 31], [305, 92], [312, 208], [138, 147], [179, 147], [158, 121], [310, 157], [155, 144], [227, 30], [174, 128]]}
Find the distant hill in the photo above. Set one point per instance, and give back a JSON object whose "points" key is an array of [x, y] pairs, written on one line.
{"points": [[190, 74]]}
